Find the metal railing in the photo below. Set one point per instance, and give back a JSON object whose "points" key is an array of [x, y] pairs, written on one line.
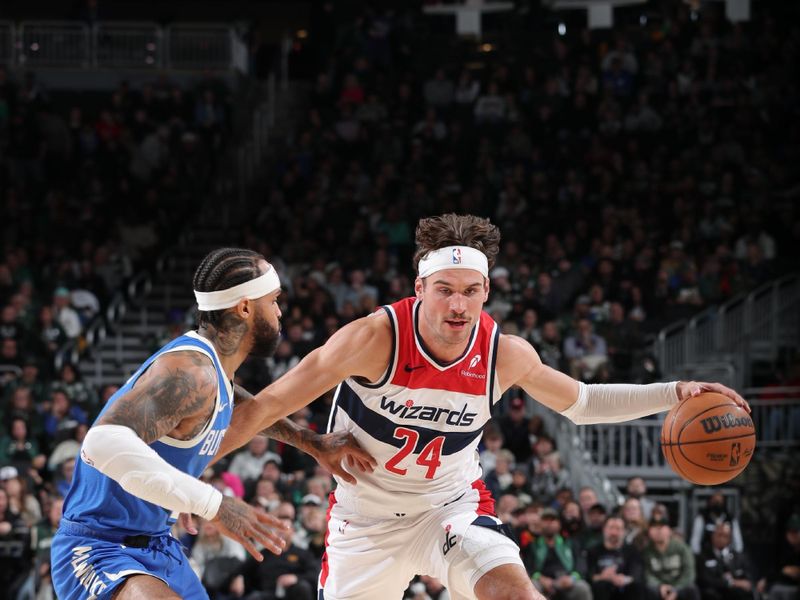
{"points": [[128, 45], [751, 326], [622, 450], [776, 415], [633, 448], [191, 46], [54, 44]]}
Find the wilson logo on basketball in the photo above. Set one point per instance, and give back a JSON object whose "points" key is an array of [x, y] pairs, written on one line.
{"points": [[728, 421]]}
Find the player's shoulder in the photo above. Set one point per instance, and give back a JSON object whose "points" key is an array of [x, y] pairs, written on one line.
{"points": [[362, 347], [375, 328], [188, 362], [515, 357]]}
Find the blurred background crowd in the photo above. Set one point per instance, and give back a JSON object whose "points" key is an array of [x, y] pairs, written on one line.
{"points": [[638, 175]]}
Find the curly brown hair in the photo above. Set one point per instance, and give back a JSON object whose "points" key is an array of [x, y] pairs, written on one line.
{"points": [[456, 230]]}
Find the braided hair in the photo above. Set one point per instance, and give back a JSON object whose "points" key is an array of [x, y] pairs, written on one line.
{"points": [[222, 269]]}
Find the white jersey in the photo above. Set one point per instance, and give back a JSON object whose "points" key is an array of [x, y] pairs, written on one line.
{"points": [[422, 422]]}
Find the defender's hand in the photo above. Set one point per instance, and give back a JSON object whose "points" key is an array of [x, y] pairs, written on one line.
{"points": [[248, 526], [331, 449], [689, 389]]}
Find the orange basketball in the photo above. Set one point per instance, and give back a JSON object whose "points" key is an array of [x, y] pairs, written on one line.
{"points": [[708, 439]]}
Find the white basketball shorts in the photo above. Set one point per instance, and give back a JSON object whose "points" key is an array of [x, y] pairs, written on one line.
{"points": [[368, 558]]}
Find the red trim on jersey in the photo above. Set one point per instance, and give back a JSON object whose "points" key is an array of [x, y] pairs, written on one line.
{"points": [[485, 500], [414, 370], [323, 574]]}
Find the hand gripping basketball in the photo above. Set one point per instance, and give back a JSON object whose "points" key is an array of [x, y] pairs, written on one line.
{"points": [[708, 438]]}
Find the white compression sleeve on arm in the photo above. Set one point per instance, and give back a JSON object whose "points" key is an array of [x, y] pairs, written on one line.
{"points": [[116, 451], [618, 402]]}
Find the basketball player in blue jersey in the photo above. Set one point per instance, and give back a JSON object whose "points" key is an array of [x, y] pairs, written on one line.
{"points": [[416, 383], [140, 460]]}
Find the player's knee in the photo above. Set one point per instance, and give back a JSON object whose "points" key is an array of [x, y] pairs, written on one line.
{"points": [[506, 582], [144, 586]]}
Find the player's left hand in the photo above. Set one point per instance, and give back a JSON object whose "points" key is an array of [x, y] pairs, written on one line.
{"points": [[331, 449], [689, 389]]}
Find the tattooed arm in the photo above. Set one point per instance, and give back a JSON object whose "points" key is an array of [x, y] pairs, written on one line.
{"points": [[175, 396], [329, 450], [177, 392]]}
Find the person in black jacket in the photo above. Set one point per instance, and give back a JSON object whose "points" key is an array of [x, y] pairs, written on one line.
{"points": [[722, 572], [294, 571], [614, 567]]}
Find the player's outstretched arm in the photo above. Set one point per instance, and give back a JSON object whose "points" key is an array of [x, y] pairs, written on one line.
{"points": [[178, 389], [361, 348], [329, 449], [519, 364]]}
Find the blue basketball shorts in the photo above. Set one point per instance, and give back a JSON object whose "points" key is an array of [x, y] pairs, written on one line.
{"points": [[87, 564]]}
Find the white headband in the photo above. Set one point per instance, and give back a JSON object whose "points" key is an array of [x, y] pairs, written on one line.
{"points": [[255, 288], [454, 257]]}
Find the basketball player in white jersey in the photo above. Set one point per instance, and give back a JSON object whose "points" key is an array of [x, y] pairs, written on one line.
{"points": [[417, 382]]}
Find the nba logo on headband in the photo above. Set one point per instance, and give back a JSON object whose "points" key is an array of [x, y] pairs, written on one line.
{"points": [[456, 256]]}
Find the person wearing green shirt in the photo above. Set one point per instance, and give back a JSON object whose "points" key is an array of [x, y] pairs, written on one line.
{"points": [[669, 564], [555, 563]]}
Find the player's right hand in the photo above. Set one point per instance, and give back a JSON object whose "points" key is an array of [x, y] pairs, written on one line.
{"points": [[249, 526]]}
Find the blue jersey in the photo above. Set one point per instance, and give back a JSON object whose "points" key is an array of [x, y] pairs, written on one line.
{"points": [[98, 502]]}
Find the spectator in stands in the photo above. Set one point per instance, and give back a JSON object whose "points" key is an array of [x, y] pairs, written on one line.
{"points": [[66, 316], [549, 348], [592, 533], [10, 361], [549, 477], [491, 107], [705, 523], [9, 327], [784, 581], [614, 567], [572, 523], [635, 523], [67, 448], [637, 488], [14, 546], [514, 427], [498, 479], [669, 564], [541, 446], [557, 570], [19, 447], [210, 545], [438, 92], [20, 501], [41, 538], [51, 334], [492, 444], [722, 572], [78, 391], [62, 415], [63, 477], [249, 465], [292, 574], [587, 498], [314, 525], [585, 350]]}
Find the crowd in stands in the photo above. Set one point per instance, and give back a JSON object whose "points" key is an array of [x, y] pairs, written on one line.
{"points": [[637, 176]]}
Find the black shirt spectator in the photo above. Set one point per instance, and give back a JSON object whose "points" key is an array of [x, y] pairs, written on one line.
{"points": [[722, 572], [614, 567]]}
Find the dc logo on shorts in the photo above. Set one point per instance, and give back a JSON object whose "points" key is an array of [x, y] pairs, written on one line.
{"points": [[449, 540], [456, 256]]}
